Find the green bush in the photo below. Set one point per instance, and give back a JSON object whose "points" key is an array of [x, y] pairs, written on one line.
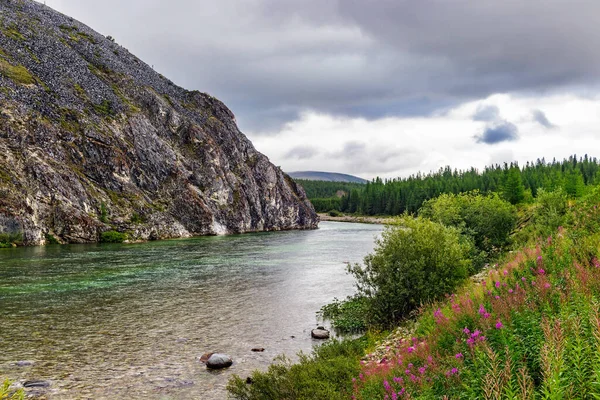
{"points": [[550, 210], [415, 261], [326, 374], [10, 239], [487, 220], [50, 239], [7, 394], [335, 213], [347, 316], [113, 237]]}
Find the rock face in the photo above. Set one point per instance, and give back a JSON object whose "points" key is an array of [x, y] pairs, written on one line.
{"points": [[93, 139], [219, 361]]}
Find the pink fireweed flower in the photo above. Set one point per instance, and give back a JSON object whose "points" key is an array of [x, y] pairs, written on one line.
{"points": [[499, 325], [498, 284], [459, 356], [410, 365], [483, 283], [386, 385], [523, 279], [481, 310], [547, 285], [510, 290], [398, 379], [533, 283], [466, 331], [486, 315], [410, 349], [422, 370], [541, 271], [505, 272], [497, 297], [476, 333]]}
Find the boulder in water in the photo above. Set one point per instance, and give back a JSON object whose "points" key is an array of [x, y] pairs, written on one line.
{"points": [[219, 361], [320, 333], [36, 384]]}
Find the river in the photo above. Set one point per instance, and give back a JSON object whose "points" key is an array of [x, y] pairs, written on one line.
{"points": [[131, 320]]}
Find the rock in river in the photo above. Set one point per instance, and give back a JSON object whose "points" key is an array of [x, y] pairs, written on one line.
{"points": [[218, 361], [320, 333], [36, 384]]}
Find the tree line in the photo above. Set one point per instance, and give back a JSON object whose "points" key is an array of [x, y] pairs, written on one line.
{"points": [[516, 184]]}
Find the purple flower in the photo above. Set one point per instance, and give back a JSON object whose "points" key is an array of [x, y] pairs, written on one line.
{"points": [[505, 272], [498, 284], [547, 285], [510, 290], [398, 379], [410, 349], [459, 355], [523, 279], [497, 297], [422, 370], [499, 325], [541, 271], [482, 310], [386, 385], [466, 331]]}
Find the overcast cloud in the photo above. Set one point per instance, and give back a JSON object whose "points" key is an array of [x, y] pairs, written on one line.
{"points": [[275, 63]]}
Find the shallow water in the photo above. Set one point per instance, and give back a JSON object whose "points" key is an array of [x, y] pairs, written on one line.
{"points": [[130, 321]]}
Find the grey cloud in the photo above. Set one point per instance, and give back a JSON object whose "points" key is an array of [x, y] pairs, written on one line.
{"points": [[540, 118], [302, 152], [486, 113], [497, 133], [269, 60]]}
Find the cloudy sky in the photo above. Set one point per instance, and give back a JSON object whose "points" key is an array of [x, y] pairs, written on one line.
{"points": [[382, 87]]}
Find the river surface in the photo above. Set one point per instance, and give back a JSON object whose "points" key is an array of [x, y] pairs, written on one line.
{"points": [[130, 321]]}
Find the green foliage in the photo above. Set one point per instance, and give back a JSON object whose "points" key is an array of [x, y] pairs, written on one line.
{"points": [[335, 213], [105, 109], [103, 213], [347, 316], [113, 237], [16, 73], [326, 374], [10, 239], [6, 393], [326, 204], [518, 185], [415, 261], [136, 218], [513, 189], [50, 239], [487, 220], [550, 210]]}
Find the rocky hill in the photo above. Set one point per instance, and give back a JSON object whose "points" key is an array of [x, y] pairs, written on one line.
{"points": [[92, 139]]}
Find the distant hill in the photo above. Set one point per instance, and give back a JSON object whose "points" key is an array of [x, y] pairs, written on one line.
{"points": [[326, 176]]}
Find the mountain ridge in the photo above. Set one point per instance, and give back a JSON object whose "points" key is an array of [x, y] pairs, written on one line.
{"points": [[326, 176]]}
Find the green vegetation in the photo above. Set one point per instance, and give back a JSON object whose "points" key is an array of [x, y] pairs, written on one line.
{"points": [[113, 237], [6, 393], [326, 374], [50, 239], [526, 328], [335, 213], [105, 109], [487, 220], [13, 32], [103, 213], [396, 196], [16, 73], [415, 261], [10, 239]]}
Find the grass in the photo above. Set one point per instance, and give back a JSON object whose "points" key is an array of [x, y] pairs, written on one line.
{"points": [[6, 393], [10, 239], [325, 374], [16, 73]]}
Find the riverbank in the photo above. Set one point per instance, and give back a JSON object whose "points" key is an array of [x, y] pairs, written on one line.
{"points": [[362, 219]]}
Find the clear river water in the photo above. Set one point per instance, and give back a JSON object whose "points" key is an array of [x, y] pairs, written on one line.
{"points": [[131, 321]]}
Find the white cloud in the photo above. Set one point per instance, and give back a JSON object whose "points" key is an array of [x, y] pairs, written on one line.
{"points": [[393, 147]]}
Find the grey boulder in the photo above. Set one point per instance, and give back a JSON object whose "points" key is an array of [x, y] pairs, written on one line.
{"points": [[219, 361], [320, 333]]}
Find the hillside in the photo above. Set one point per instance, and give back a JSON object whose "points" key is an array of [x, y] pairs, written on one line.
{"points": [[326, 176], [93, 139]]}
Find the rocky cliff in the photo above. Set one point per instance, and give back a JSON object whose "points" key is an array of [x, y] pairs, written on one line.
{"points": [[92, 139]]}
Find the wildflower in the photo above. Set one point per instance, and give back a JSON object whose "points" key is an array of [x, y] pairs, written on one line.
{"points": [[547, 285], [459, 356], [360, 376], [410, 365], [398, 379], [497, 297], [483, 283], [541, 271], [476, 333], [482, 310], [523, 279], [510, 290], [353, 380], [422, 370], [410, 349], [386, 385], [533, 283], [505, 272], [498, 284], [539, 258], [499, 325], [466, 331]]}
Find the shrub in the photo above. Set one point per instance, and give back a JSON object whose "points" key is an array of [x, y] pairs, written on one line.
{"points": [[50, 239], [415, 261], [335, 213], [487, 220], [113, 237], [7, 394], [550, 210], [326, 374], [10, 239], [347, 316]]}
